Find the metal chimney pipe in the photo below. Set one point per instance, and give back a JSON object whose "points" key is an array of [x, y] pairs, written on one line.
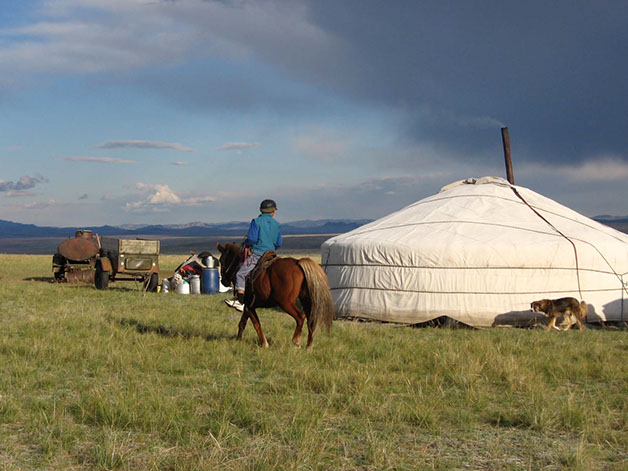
{"points": [[506, 141]]}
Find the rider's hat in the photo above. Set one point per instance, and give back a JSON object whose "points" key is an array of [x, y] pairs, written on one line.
{"points": [[268, 206]]}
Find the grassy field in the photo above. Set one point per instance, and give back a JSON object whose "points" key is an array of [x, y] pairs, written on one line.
{"points": [[123, 379]]}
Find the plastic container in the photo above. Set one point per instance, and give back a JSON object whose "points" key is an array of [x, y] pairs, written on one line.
{"points": [[222, 288], [210, 281], [165, 285], [195, 284], [183, 288]]}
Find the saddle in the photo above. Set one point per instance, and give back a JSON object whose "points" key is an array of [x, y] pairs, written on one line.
{"points": [[261, 266]]}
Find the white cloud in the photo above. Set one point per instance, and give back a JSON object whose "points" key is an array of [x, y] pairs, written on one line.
{"points": [[84, 36], [604, 168], [102, 160], [179, 163], [35, 205], [137, 144], [389, 185], [159, 194], [196, 200], [238, 146], [18, 193], [73, 41], [160, 198]]}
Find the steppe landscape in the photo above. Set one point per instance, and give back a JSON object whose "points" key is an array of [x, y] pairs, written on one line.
{"points": [[123, 379]]}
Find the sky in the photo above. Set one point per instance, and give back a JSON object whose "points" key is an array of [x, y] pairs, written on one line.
{"points": [[174, 111]]}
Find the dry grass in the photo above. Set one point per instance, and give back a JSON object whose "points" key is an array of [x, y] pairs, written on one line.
{"points": [[123, 379]]}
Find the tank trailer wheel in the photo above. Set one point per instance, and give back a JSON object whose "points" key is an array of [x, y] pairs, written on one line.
{"points": [[151, 283], [101, 278]]}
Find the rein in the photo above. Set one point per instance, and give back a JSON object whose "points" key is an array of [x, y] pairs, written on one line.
{"points": [[234, 263]]}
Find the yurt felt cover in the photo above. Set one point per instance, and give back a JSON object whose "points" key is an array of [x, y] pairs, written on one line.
{"points": [[477, 251]]}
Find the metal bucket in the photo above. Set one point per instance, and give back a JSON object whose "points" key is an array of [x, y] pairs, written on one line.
{"points": [[195, 284]]}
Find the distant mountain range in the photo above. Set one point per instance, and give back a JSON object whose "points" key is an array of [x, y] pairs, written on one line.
{"points": [[604, 218], [10, 229], [616, 222]]}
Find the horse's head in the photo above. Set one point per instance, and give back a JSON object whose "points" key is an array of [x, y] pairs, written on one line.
{"points": [[230, 258]]}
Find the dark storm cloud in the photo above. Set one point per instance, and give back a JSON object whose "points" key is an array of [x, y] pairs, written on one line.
{"points": [[453, 72], [554, 72], [449, 73], [234, 87]]}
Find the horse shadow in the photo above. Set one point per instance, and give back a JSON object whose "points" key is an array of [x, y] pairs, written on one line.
{"points": [[169, 332]]}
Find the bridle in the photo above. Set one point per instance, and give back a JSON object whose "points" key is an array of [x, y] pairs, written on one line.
{"points": [[229, 273]]}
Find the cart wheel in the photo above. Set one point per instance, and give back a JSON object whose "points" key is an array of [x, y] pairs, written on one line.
{"points": [[101, 278], [152, 283]]}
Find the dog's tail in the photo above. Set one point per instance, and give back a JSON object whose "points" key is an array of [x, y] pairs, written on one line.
{"points": [[584, 309]]}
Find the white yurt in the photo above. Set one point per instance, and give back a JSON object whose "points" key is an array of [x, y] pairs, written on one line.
{"points": [[480, 251]]}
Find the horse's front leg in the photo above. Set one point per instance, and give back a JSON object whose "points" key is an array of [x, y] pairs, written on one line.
{"points": [[258, 327], [242, 325]]}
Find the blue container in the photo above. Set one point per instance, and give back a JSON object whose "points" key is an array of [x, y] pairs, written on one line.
{"points": [[210, 281]]}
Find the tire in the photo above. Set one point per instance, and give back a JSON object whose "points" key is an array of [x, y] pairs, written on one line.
{"points": [[152, 283], [101, 278]]}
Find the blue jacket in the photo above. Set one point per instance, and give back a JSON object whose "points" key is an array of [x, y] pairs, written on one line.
{"points": [[264, 234]]}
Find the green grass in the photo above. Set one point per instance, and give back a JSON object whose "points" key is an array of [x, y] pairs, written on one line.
{"points": [[123, 379]]}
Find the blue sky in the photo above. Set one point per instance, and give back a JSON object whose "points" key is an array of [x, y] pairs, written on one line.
{"points": [[172, 111]]}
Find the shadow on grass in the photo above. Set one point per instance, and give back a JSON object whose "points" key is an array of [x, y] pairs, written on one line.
{"points": [[41, 279], [168, 331]]}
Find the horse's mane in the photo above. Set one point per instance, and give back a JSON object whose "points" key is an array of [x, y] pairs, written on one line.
{"points": [[232, 247]]}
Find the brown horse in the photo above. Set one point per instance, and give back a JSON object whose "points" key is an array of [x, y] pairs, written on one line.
{"points": [[285, 280]]}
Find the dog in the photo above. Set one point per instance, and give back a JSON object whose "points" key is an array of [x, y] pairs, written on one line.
{"points": [[569, 308]]}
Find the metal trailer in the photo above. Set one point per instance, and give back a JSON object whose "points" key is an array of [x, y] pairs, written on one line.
{"points": [[134, 259]]}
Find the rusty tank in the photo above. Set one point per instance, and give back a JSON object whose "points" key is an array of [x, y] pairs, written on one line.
{"points": [[75, 259]]}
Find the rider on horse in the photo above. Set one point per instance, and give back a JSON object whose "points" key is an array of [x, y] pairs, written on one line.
{"points": [[264, 234]]}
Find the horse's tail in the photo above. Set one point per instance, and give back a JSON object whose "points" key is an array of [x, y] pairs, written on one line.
{"points": [[322, 305]]}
